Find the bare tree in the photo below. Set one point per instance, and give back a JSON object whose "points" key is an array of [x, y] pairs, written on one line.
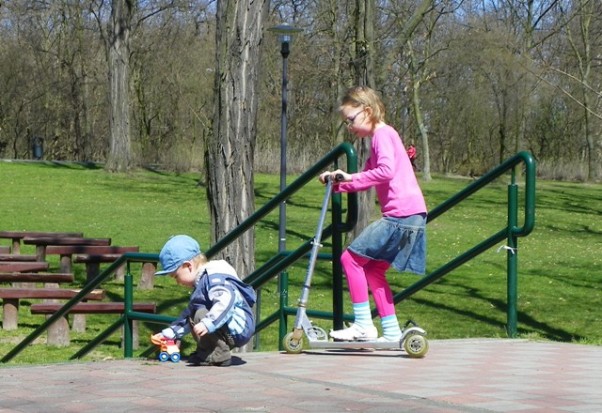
{"points": [[363, 73], [364, 69], [231, 146], [581, 46], [120, 155], [118, 49], [510, 75]]}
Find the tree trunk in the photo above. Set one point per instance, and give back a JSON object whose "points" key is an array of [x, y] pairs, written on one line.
{"points": [[338, 132], [120, 157], [417, 110], [364, 75], [231, 147]]}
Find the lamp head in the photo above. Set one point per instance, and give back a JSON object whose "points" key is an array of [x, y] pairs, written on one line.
{"points": [[285, 32]]}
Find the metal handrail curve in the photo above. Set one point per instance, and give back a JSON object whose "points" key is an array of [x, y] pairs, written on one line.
{"points": [[511, 232], [508, 233], [257, 278]]}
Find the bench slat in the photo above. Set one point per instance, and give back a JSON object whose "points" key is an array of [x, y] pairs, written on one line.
{"points": [[14, 266], [96, 258], [93, 308], [66, 241], [42, 277], [58, 332], [17, 236], [23, 234], [88, 249], [17, 257], [47, 293]]}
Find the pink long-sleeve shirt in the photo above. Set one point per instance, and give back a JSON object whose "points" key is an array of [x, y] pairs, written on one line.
{"points": [[389, 171]]}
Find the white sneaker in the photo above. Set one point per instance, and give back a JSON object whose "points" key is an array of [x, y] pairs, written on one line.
{"points": [[384, 339], [355, 333]]}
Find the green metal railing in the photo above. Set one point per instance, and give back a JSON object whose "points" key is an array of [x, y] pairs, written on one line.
{"points": [[510, 233], [281, 261], [257, 278]]}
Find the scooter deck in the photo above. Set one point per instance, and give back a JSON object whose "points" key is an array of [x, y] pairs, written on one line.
{"points": [[377, 345]]}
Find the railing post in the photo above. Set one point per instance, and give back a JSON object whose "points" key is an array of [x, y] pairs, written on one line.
{"points": [[128, 292], [337, 270], [283, 300], [512, 258]]}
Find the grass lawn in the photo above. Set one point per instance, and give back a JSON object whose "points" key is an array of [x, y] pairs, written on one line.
{"points": [[560, 264]]}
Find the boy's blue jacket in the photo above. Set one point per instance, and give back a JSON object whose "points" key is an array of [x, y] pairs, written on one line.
{"points": [[227, 299]]}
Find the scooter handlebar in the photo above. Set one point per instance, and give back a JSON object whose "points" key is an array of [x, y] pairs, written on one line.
{"points": [[335, 178]]}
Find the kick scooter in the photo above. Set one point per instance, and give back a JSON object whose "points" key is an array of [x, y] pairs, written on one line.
{"points": [[412, 340]]}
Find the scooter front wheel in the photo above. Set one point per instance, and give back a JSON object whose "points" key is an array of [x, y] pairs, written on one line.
{"points": [[292, 345], [416, 345]]}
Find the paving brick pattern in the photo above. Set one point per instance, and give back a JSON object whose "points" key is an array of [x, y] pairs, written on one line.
{"points": [[455, 376]]}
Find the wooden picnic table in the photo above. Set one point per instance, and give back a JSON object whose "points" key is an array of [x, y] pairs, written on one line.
{"points": [[11, 297], [42, 243], [35, 277], [17, 236], [17, 257], [19, 266]]}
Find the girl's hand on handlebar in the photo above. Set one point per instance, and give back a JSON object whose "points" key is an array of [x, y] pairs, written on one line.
{"points": [[341, 176], [323, 177], [338, 176]]}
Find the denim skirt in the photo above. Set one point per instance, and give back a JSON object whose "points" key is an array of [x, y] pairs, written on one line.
{"points": [[399, 241]]}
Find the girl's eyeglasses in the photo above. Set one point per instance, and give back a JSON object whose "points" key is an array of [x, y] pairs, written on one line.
{"points": [[349, 121]]}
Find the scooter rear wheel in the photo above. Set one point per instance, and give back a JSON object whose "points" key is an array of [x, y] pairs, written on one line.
{"points": [[416, 345]]}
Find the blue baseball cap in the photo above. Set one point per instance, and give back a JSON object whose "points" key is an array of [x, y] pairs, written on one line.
{"points": [[176, 250]]}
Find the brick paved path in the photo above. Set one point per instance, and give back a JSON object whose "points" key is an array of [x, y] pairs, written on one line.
{"points": [[456, 376]]}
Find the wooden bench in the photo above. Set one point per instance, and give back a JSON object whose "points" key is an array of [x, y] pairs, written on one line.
{"points": [[42, 242], [25, 279], [17, 257], [17, 266], [58, 333], [4, 249], [93, 308], [17, 236], [66, 252], [93, 262], [36, 277], [95, 256], [92, 268], [11, 296]]}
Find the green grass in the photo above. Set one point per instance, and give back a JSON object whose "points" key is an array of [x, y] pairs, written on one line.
{"points": [[560, 265]]}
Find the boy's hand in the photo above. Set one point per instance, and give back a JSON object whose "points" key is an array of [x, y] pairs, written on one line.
{"points": [[157, 339], [200, 329]]}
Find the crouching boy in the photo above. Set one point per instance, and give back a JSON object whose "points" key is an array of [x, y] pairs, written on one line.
{"points": [[219, 315]]}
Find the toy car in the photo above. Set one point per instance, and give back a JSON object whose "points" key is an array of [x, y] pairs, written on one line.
{"points": [[168, 349]]}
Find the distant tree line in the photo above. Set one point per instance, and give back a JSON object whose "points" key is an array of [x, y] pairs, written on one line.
{"points": [[470, 82]]}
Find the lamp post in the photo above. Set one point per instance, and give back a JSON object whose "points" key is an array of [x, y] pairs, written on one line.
{"points": [[285, 35]]}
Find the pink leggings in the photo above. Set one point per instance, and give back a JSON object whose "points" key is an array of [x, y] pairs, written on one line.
{"points": [[363, 273]]}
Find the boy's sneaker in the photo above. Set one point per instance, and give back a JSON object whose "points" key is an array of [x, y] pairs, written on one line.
{"points": [[355, 333], [224, 363], [201, 358]]}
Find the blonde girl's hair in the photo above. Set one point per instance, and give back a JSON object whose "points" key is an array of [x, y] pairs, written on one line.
{"points": [[364, 96]]}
